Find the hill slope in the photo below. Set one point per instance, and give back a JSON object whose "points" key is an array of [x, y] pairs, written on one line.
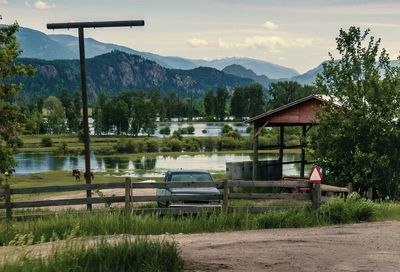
{"points": [[118, 71], [240, 71]]}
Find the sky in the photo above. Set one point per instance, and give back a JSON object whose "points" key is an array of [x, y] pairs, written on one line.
{"points": [[293, 33]]}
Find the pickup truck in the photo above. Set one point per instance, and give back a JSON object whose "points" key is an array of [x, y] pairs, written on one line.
{"points": [[188, 176]]}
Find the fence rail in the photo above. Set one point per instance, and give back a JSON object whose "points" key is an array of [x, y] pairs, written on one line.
{"points": [[225, 187]]}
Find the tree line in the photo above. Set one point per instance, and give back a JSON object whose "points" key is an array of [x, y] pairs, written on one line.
{"points": [[135, 112]]}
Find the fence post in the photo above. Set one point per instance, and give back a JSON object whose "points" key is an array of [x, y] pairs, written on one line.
{"points": [[316, 195], [7, 198], [128, 183], [225, 201]]}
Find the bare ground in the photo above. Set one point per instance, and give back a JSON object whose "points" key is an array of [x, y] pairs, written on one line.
{"points": [[358, 247]]}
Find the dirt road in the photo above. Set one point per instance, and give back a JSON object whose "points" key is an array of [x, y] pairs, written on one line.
{"points": [[359, 247]]}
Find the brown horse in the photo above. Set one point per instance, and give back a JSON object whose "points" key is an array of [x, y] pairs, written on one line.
{"points": [[77, 174]]}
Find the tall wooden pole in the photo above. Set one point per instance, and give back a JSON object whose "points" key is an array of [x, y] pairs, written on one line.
{"points": [[86, 134], [81, 26]]}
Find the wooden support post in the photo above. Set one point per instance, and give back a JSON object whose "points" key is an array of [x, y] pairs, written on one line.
{"points": [[7, 199], [225, 202], [255, 155], [303, 152], [128, 184], [316, 195], [281, 146]]}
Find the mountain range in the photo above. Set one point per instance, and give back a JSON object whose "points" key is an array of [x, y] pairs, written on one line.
{"points": [[55, 56], [36, 44]]}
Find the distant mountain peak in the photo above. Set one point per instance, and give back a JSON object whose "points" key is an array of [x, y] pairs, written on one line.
{"points": [[240, 71]]}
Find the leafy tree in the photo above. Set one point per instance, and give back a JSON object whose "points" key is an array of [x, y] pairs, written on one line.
{"points": [[358, 139], [256, 100], [55, 115], [209, 103], [239, 103], [284, 92], [220, 103], [10, 115], [138, 118]]}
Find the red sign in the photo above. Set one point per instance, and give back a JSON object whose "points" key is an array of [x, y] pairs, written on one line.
{"points": [[315, 174]]}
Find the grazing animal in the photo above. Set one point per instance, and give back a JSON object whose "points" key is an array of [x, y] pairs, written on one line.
{"points": [[77, 174]]}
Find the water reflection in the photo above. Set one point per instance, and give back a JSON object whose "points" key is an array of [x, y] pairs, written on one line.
{"points": [[29, 163]]}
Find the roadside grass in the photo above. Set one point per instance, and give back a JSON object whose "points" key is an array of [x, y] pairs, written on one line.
{"points": [[70, 224], [63, 225], [129, 255]]}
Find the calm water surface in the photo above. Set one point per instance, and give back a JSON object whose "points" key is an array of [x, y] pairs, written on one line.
{"points": [[30, 163]]}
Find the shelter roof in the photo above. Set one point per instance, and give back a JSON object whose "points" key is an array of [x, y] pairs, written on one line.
{"points": [[300, 112]]}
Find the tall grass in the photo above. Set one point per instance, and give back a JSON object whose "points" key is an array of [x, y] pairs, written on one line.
{"points": [[137, 255], [68, 224]]}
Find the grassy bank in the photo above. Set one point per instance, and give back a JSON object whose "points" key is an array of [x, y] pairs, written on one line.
{"points": [[137, 255], [112, 144], [68, 224]]}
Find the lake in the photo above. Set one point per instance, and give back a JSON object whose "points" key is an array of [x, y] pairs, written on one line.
{"points": [[200, 129], [151, 166]]}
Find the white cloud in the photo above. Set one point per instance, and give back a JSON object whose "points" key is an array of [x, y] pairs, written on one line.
{"points": [[270, 25], [223, 44], [28, 4], [3, 2], [195, 42], [43, 5], [303, 42], [264, 42]]}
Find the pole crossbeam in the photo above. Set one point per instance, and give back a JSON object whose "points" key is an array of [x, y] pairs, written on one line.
{"points": [[130, 23], [81, 26]]}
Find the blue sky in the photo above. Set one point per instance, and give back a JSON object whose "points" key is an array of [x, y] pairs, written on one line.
{"points": [[292, 33]]}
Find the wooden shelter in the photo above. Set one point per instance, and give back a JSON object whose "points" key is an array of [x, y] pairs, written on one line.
{"points": [[302, 112]]}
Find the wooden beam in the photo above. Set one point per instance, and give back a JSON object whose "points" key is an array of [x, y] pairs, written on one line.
{"points": [[270, 183], [260, 129], [287, 196]]}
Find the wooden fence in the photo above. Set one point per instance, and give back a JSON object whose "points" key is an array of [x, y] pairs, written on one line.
{"points": [[314, 195]]}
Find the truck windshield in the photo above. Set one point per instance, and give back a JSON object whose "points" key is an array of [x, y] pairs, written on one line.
{"points": [[191, 177]]}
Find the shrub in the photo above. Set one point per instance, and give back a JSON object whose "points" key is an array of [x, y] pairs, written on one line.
{"points": [[152, 146], [165, 131], [177, 134], [175, 144], [209, 143], [191, 144], [234, 134], [107, 150], [229, 143], [225, 129], [47, 142], [190, 130], [125, 147]]}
